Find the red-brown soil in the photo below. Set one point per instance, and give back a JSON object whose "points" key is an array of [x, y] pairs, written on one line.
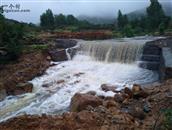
{"points": [[24, 69]]}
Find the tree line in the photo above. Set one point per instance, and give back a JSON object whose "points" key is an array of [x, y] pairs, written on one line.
{"points": [[50, 21], [154, 20]]}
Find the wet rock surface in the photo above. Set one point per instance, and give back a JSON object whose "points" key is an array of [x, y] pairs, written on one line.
{"points": [[60, 47], [58, 55], [22, 88], [143, 113], [108, 87]]}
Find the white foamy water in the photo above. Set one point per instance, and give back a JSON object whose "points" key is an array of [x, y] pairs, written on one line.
{"points": [[53, 91]]}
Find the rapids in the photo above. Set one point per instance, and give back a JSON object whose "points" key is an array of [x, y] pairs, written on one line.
{"points": [[96, 62]]}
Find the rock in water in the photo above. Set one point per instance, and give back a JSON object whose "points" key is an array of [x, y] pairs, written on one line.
{"points": [[22, 88], [108, 87], [81, 101], [58, 55], [3, 94]]}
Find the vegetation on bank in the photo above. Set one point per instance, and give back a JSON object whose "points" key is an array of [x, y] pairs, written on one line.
{"points": [[154, 22], [10, 36]]}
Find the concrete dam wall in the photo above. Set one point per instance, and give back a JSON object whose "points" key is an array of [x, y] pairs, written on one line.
{"points": [[157, 56]]}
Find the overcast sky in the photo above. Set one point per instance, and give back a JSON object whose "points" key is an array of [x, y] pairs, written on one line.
{"points": [[100, 8]]}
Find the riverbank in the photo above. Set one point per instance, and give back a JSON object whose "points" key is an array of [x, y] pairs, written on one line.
{"points": [[14, 76], [143, 109]]}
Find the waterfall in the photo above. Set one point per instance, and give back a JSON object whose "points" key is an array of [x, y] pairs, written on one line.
{"points": [[112, 51]]}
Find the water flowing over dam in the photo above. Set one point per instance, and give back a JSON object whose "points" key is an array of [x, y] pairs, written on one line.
{"points": [[96, 63], [112, 51]]}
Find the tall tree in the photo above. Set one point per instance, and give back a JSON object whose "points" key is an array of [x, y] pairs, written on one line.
{"points": [[156, 15], [47, 19], [59, 20], [71, 20], [122, 20]]}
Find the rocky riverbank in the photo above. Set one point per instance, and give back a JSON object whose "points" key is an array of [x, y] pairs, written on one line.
{"points": [[14, 77], [130, 109]]}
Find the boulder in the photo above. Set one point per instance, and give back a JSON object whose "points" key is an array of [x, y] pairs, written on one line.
{"points": [[81, 101], [65, 43], [138, 92], [58, 55], [119, 98], [3, 94], [22, 88], [128, 91], [110, 103], [60, 81], [137, 112], [93, 93], [108, 87]]}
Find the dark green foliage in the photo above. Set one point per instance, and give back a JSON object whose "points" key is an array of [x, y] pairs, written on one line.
{"points": [[47, 19], [161, 28], [128, 31], [71, 20], [122, 20], [156, 16], [167, 123], [60, 20], [10, 36]]}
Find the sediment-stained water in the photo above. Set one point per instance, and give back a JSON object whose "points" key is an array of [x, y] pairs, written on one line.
{"points": [[96, 62]]}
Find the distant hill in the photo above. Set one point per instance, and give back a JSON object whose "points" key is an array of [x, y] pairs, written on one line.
{"points": [[97, 20], [138, 13]]}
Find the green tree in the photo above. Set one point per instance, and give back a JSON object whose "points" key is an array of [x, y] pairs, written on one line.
{"points": [[71, 20], [161, 28], [125, 20], [128, 31], [155, 15], [59, 20], [11, 35], [47, 19], [122, 20]]}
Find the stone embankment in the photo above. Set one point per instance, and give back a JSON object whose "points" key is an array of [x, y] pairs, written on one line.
{"points": [[157, 55]]}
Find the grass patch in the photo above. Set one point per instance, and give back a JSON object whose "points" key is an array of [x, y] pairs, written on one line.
{"points": [[167, 123], [34, 47]]}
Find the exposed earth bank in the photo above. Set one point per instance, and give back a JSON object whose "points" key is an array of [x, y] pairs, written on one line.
{"points": [[14, 77], [130, 109]]}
